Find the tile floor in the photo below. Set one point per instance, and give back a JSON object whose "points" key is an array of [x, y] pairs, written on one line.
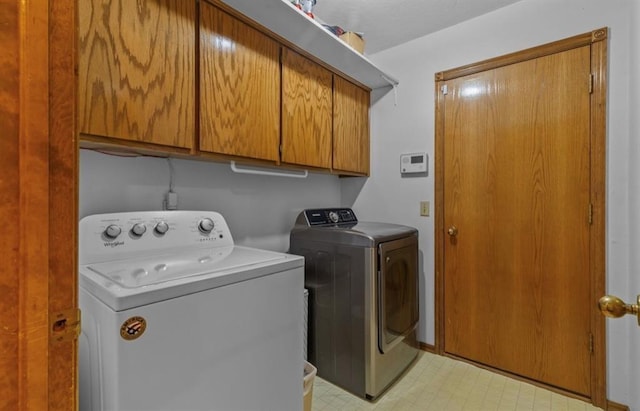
{"points": [[436, 383]]}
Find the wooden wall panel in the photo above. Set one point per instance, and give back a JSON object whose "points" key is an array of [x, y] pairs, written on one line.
{"points": [[24, 205], [33, 171], [9, 205]]}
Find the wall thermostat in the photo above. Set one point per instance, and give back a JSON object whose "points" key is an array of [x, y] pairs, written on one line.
{"points": [[413, 163]]}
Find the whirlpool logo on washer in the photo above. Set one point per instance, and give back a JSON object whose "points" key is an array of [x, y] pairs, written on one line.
{"points": [[133, 328], [113, 244]]}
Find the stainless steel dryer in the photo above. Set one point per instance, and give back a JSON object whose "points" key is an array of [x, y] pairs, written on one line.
{"points": [[363, 297]]}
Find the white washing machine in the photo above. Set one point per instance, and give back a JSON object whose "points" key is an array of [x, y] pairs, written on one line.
{"points": [[176, 317]]}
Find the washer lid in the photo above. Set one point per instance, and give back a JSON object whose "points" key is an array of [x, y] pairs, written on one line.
{"points": [[135, 273]]}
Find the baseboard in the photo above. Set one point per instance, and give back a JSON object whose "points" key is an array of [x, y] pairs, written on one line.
{"points": [[427, 347], [614, 406]]}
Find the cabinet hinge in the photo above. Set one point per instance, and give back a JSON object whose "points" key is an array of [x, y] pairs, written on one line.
{"points": [[64, 325], [591, 83], [444, 89], [591, 343], [590, 214]]}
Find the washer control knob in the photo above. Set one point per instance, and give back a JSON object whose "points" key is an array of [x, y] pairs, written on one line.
{"points": [[112, 231], [138, 229], [205, 225], [333, 216], [161, 228]]}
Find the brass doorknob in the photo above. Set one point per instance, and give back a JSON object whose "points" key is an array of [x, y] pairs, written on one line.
{"points": [[453, 231], [614, 307]]}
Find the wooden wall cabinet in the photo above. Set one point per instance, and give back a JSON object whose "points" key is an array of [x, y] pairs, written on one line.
{"points": [[307, 109], [350, 128], [256, 98], [136, 73], [239, 87]]}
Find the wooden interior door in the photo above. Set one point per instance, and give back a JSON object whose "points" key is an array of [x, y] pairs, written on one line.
{"points": [[517, 218]]}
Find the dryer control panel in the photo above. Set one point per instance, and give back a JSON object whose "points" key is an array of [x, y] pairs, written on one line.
{"points": [[330, 216]]}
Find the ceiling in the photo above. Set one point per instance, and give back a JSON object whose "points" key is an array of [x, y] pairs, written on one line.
{"points": [[387, 23]]}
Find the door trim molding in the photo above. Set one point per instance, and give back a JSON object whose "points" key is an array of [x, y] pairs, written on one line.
{"points": [[529, 54], [39, 164], [63, 198], [598, 228], [597, 39]]}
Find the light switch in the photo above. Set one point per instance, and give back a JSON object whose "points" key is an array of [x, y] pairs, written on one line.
{"points": [[424, 208]]}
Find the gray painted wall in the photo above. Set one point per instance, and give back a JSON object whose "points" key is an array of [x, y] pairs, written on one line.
{"points": [[260, 210]]}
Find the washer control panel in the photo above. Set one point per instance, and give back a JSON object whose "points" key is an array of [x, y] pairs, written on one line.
{"points": [[330, 216], [105, 237]]}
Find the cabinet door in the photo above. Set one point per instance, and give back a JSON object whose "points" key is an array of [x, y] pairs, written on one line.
{"points": [[240, 88], [136, 73], [306, 111], [350, 127]]}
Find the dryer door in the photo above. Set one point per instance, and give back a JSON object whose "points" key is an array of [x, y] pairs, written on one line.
{"points": [[397, 291]]}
